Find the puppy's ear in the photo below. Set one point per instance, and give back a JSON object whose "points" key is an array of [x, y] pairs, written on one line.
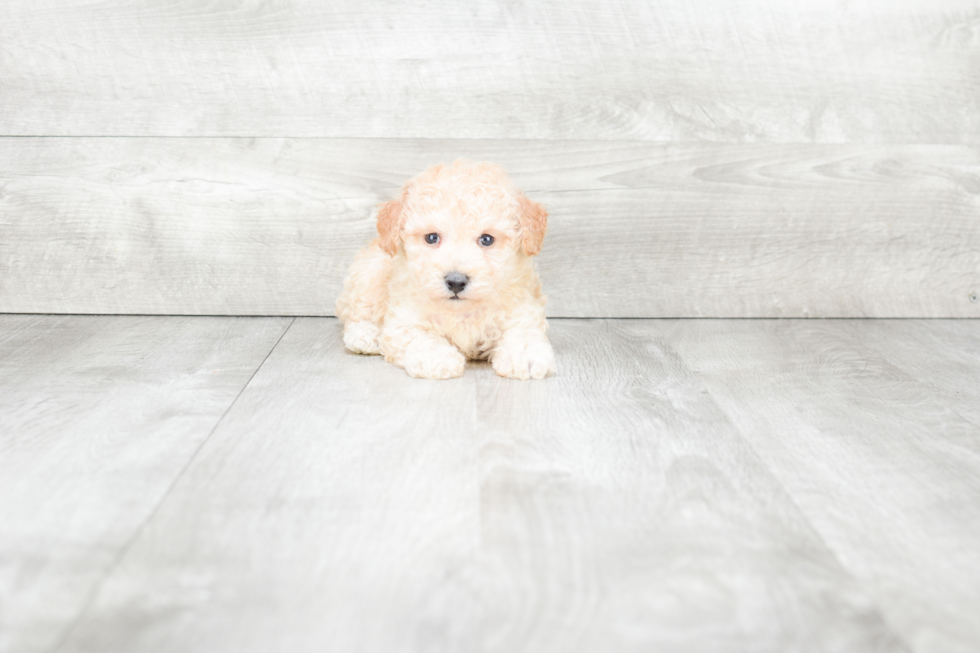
{"points": [[389, 226], [534, 222]]}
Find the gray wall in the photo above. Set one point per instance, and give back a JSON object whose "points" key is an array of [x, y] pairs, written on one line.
{"points": [[699, 157]]}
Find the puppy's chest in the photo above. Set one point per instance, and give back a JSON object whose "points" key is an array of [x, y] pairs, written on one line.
{"points": [[474, 334]]}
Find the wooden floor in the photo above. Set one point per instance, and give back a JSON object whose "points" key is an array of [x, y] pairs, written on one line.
{"points": [[243, 484]]}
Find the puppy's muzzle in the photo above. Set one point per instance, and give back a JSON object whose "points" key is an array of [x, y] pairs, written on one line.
{"points": [[456, 282]]}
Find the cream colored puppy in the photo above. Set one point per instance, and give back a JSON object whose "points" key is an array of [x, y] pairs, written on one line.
{"points": [[450, 277]]}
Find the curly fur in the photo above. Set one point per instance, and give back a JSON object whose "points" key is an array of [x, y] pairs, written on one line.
{"points": [[396, 301]]}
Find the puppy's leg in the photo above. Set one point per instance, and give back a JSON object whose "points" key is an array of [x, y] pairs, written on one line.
{"points": [[362, 337], [523, 354], [421, 353], [362, 304]]}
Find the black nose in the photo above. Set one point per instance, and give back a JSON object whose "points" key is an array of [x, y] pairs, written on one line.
{"points": [[456, 282]]}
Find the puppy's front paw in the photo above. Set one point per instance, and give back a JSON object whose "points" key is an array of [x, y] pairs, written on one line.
{"points": [[362, 337], [444, 362], [535, 361]]}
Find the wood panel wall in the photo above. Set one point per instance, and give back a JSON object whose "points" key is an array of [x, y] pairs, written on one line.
{"points": [[699, 157]]}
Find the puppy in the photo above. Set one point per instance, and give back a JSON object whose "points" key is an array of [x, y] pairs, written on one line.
{"points": [[450, 278]]}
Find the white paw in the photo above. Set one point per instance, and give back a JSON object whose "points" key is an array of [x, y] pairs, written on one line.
{"points": [[535, 361], [443, 362], [362, 337]]}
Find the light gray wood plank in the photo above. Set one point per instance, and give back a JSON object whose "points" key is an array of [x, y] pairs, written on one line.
{"points": [[343, 505], [863, 426], [943, 355], [98, 416], [623, 512], [758, 70], [336, 507], [269, 226]]}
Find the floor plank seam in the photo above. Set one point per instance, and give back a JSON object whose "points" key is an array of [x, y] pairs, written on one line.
{"points": [[124, 550]]}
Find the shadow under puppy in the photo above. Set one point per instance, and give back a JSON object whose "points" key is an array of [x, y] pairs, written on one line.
{"points": [[450, 277]]}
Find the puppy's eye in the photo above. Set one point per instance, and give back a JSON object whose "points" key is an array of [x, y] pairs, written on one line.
{"points": [[432, 239], [486, 240]]}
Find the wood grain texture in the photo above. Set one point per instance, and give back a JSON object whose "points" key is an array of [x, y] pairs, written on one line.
{"points": [[337, 509], [341, 504], [269, 226], [761, 70], [942, 355], [98, 416], [872, 427], [622, 511]]}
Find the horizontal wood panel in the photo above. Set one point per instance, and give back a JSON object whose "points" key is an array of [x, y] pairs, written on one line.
{"points": [[269, 226], [757, 70]]}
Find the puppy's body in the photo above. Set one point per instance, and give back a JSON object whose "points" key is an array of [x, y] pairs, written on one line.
{"points": [[473, 293]]}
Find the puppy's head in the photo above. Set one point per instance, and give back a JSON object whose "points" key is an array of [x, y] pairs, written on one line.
{"points": [[465, 231]]}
